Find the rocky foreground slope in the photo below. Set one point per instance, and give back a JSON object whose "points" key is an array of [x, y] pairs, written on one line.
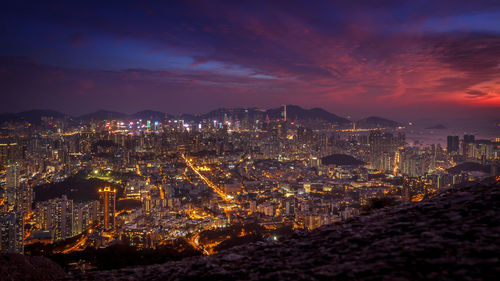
{"points": [[454, 236], [19, 267]]}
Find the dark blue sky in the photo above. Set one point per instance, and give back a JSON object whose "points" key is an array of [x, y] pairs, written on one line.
{"points": [[392, 58]]}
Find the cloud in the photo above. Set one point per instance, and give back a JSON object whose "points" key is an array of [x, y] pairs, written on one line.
{"points": [[199, 60], [472, 53], [371, 56], [476, 94]]}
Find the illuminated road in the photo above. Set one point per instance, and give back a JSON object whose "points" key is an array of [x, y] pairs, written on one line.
{"points": [[215, 188], [194, 242], [77, 245]]}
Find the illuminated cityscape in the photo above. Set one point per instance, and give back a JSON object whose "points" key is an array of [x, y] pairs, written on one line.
{"points": [[268, 123], [157, 180]]}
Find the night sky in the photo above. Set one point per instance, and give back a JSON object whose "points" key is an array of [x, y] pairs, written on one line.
{"points": [[390, 58]]}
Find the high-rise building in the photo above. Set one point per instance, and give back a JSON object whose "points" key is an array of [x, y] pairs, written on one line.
{"points": [[452, 144], [468, 146], [84, 215], [469, 138], [24, 198], [107, 201], [44, 215], [9, 152], [382, 149], [63, 218], [11, 186], [12, 233]]}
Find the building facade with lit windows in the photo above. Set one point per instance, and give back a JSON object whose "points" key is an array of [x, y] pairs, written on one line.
{"points": [[107, 201], [12, 233]]}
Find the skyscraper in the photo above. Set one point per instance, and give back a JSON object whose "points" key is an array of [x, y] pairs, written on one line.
{"points": [[107, 200], [63, 217], [468, 144], [9, 152], [11, 186], [469, 138], [452, 145], [24, 198], [12, 233], [382, 149]]}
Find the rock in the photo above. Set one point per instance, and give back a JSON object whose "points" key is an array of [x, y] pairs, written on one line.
{"points": [[428, 234], [232, 257], [21, 267]]}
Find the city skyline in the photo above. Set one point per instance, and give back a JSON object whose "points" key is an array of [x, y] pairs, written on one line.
{"points": [[487, 125], [395, 59]]}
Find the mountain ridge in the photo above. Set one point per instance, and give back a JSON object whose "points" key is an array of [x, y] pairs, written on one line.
{"points": [[376, 122], [32, 116], [294, 112]]}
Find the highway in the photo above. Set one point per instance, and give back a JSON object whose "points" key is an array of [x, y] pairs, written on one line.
{"points": [[215, 188]]}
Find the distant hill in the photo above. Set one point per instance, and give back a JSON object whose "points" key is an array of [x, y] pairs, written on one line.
{"points": [[437, 127], [239, 113], [341, 160], [103, 115], [150, 115], [469, 167], [191, 117], [32, 116], [296, 112], [376, 122], [221, 113]]}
